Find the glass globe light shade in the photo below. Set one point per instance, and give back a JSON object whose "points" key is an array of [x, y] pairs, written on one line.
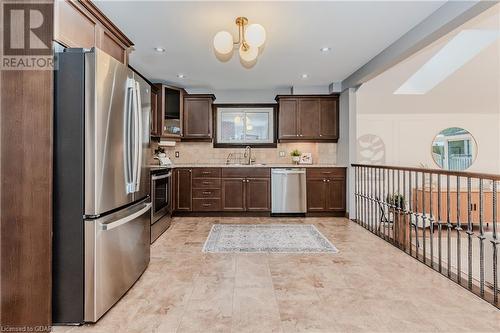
{"points": [[250, 54], [223, 42], [255, 35]]}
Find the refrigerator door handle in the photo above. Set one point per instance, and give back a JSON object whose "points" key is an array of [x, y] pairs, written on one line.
{"points": [[139, 136], [129, 177], [135, 137], [122, 221]]}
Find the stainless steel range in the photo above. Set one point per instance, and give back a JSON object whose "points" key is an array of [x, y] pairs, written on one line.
{"points": [[161, 199]]}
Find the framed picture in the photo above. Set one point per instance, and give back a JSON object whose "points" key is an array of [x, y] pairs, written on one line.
{"points": [[306, 158]]}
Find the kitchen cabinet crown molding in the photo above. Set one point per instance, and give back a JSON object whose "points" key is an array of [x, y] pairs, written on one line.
{"points": [[89, 5], [278, 97], [210, 96]]}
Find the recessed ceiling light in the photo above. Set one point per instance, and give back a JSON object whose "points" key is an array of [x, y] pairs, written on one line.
{"points": [[304, 76], [325, 49], [181, 76], [159, 49]]}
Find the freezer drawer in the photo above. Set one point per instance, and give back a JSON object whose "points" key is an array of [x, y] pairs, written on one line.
{"points": [[288, 191], [116, 254]]}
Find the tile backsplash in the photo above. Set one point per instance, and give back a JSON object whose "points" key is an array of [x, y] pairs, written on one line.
{"points": [[205, 153]]}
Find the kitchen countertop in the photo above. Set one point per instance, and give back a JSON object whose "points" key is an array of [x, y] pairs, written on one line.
{"points": [[257, 165]]}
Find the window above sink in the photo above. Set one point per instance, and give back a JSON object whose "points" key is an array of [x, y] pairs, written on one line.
{"points": [[245, 125]]}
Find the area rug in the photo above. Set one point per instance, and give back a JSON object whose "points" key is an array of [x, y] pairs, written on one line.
{"points": [[262, 238]]}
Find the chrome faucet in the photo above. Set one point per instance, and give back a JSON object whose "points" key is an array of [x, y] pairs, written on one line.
{"points": [[248, 155], [228, 159]]}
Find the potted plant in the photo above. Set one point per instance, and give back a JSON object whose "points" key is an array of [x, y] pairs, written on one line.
{"points": [[161, 156], [397, 200], [295, 156], [159, 150], [397, 204]]}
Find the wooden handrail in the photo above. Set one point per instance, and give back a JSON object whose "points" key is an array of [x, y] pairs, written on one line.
{"points": [[464, 174]]}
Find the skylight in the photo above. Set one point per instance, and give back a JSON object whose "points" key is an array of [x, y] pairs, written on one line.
{"points": [[456, 53]]}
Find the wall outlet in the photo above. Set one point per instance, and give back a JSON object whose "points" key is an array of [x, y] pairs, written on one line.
{"points": [[177, 154], [282, 154]]}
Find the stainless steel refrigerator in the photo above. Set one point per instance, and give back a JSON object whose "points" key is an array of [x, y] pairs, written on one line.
{"points": [[102, 203]]}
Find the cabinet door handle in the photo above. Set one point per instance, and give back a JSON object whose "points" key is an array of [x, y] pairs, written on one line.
{"points": [[206, 183], [207, 192], [324, 180], [205, 173], [328, 181], [206, 205]]}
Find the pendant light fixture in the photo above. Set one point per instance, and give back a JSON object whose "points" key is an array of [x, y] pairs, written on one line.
{"points": [[250, 39]]}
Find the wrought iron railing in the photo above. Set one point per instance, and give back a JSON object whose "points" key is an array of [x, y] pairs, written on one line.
{"points": [[448, 220]]}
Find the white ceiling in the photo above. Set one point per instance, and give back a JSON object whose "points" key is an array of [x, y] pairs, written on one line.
{"points": [[356, 31]]}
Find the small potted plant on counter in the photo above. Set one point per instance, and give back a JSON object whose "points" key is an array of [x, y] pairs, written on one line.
{"points": [[295, 156]]}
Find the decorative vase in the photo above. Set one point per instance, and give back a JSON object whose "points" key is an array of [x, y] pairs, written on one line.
{"points": [[296, 159]]}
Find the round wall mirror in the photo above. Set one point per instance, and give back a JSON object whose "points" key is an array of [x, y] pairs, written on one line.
{"points": [[454, 149]]}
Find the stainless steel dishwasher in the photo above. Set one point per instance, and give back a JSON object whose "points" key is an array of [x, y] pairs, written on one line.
{"points": [[288, 191]]}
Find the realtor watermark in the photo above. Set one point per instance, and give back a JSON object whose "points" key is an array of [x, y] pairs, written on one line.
{"points": [[25, 328], [27, 35]]}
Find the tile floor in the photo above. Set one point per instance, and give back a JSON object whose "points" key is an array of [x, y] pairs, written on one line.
{"points": [[369, 286]]}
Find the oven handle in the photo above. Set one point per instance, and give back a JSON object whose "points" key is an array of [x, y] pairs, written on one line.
{"points": [[168, 175]]}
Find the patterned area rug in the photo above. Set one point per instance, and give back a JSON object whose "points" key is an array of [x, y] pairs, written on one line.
{"points": [[276, 238]]}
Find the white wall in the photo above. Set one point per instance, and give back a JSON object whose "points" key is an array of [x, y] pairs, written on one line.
{"points": [[346, 146], [407, 124]]}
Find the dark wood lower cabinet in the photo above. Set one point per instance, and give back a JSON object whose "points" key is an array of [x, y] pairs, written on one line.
{"points": [[233, 194], [326, 190], [258, 194], [183, 183], [336, 195], [316, 195], [240, 190]]}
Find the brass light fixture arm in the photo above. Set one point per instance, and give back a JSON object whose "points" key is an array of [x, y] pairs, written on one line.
{"points": [[241, 22]]}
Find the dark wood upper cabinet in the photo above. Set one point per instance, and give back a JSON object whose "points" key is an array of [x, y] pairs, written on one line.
{"points": [[309, 118], [329, 119], [155, 127], [198, 116], [233, 194], [288, 114], [258, 194], [170, 111], [182, 191], [82, 24], [313, 118]]}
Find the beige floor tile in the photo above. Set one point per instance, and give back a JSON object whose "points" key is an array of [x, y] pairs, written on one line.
{"points": [[252, 271], [255, 310], [369, 286]]}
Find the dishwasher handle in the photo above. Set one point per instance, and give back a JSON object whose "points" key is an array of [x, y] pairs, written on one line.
{"points": [[287, 172]]}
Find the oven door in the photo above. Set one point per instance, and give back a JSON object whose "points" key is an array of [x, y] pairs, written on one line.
{"points": [[160, 192]]}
